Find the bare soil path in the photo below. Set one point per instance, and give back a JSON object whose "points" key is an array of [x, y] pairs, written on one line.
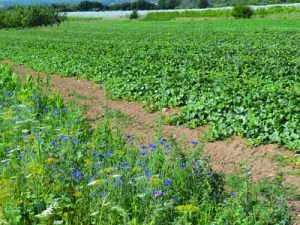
{"points": [[266, 161]]}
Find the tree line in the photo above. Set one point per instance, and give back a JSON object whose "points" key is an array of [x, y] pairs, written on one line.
{"points": [[161, 4]]}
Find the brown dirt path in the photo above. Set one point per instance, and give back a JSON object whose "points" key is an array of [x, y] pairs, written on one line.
{"points": [[225, 155]]}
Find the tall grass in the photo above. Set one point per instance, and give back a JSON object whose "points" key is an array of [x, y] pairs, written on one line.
{"points": [[55, 169]]}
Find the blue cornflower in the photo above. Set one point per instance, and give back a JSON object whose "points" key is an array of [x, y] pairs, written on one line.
{"points": [[102, 194], [92, 194], [167, 182], [194, 143], [53, 143], [117, 183], [233, 194], [152, 146], [175, 199], [9, 94], [161, 142], [125, 164], [77, 175], [143, 153], [183, 165], [76, 141], [196, 170], [147, 172], [209, 173], [108, 153], [158, 193], [197, 162], [143, 146], [167, 146], [128, 136], [141, 164]]}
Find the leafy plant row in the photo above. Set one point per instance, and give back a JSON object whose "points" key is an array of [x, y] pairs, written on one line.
{"points": [[238, 77]]}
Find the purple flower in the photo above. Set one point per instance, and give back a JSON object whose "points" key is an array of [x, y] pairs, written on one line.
{"points": [[167, 182], [143, 146], [157, 194], [143, 153]]}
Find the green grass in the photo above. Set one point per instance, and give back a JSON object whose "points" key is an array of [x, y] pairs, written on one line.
{"points": [[55, 169]]}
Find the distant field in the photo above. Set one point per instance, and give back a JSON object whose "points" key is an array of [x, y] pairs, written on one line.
{"points": [[235, 76]]}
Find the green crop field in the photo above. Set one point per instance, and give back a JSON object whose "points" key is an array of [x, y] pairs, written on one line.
{"points": [[235, 76]]}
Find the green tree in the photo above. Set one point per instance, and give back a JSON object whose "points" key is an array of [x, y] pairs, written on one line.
{"points": [[241, 10]]}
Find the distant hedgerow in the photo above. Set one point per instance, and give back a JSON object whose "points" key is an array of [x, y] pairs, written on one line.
{"points": [[31, 16]]}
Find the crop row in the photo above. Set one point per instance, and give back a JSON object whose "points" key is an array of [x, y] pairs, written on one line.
{"points": [[238, 77]]}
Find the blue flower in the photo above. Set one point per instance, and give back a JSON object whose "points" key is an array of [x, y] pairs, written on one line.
{"points": [[175, 199], [76, 141], [209, 173], [198, 162], [167, 146], [77, 175], [125, 164], [147, 172], [194, 143], [117, 183], [9, 94], [128, 136], [108, 153], [152, 146], [53, 143], [183, 165], [92, 194], [161, 142], [143, 146], [233, 194], [158, 193], [143, 153], [167, 182]]}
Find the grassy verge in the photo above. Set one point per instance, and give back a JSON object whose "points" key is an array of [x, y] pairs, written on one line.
{"points": [[55, 169], [277, 11]]}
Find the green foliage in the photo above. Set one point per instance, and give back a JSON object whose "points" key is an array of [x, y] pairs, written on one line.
{"points": [[31, 16], [241, 10], [134, 15], [55, 169]]}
